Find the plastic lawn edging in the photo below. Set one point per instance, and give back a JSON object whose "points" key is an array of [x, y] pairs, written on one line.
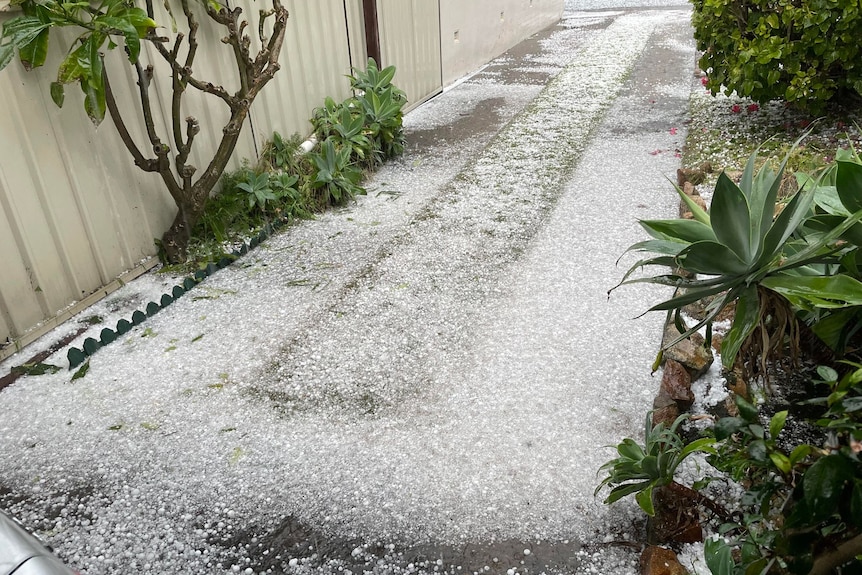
{"points": [[78, 355]]}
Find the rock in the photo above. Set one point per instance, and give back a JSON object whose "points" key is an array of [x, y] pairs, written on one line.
{"points": [[737, 383], [717, 338], [676, 383], [696, 309], [691, 352], [660, 561], [694, 175], [734, 175], [727, 313], [665, 409], [692, 194], [689, 189]]}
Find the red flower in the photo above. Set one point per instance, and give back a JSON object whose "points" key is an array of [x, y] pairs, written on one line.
{"points": [[704, 81], [752, 108], [736, 109], [673, 131]]}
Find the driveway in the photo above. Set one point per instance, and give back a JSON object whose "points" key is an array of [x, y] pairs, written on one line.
{"points": [[423, 381]]}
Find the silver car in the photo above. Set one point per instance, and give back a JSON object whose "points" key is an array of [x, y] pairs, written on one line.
{"points": [[23, 554]]}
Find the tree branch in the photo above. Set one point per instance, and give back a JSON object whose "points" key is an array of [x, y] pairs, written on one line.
{"points": [[177, 90], [159, 149], [827, 562], [146, 164], [186, 75]]}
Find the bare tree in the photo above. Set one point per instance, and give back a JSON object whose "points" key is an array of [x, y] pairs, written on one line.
{"points": [[165, 154]]}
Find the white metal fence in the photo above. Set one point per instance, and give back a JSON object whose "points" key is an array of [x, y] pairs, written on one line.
{"points": [[76, 214]]}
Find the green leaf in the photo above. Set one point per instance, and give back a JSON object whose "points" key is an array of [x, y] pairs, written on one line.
{"points": [[630, 449], [756, 430], [826, 373], [712, 258], [838, 291], [704, 444], [75, 66], [129, 32], [799, 453], [746, 319], [644, 499], [848, 181], [787, 222], [851, 404], [24, 29], [94, 102], [730, 218], [678, 230], [727, 426], [718, 557], [58, 93], [141, 21], [757, 450], [33, 55], [776, 424], [747, 410], [823, 483], [82, 371], [697, 212], [94, 43], [781, 462], [650, 466], [621, 491], [7, 52]]}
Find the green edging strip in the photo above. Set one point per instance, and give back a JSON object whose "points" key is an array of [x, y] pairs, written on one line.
{"points": [[78, 355]]}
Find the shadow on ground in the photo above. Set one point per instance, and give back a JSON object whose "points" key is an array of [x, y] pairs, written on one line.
{"points": [[296, 545]]}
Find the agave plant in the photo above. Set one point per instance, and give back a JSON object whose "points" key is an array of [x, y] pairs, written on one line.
{"points": [[739, 251], [836, 198]]}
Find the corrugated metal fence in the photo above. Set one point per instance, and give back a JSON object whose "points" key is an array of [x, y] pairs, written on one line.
{"points": [[77, 218], [75, 213]]}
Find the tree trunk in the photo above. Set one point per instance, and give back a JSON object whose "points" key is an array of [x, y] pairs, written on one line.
{"points": [[175, 240]]}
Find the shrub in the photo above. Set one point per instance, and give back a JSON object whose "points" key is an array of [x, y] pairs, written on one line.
{"points": [[802, 261], [803, 51], [801, 507], [335, 179], [369, 124], [358, 133]]}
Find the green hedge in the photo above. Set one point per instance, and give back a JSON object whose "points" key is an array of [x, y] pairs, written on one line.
{"points": [[808, 52]]}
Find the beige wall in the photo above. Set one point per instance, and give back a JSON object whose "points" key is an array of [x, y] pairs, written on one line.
{"points": [[474, 32], [410, 40], [75, 213]]}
